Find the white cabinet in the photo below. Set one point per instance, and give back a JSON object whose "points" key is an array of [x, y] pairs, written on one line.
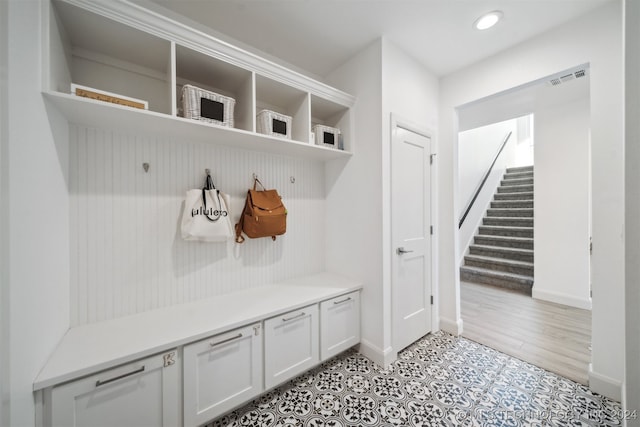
{"points": [[290, 344], [143, 393], [221, 372], [339, 324]]}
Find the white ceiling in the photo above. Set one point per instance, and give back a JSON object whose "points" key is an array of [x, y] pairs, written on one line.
{"points": [[319, 35]]}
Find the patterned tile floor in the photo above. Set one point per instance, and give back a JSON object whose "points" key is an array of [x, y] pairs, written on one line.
{"points": [[440, 380]]}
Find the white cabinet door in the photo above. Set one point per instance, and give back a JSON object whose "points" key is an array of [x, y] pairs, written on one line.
{"points": [[221, 372], [290, 344], [339, 324], [145, 393]]}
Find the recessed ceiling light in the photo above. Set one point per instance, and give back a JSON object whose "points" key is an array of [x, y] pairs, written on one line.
{"points": [[488, 20]]}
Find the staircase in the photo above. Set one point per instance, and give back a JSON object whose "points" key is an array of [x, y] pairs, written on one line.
{"points": [[502, 252]]}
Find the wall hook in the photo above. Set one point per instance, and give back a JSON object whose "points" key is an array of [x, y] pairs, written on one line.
{"points": [[292, 179], [145, 166], [207, 171], [255, 176]]}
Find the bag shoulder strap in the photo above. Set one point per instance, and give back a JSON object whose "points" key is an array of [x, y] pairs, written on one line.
{"points": [[217, 212], [240, 224], [256, 181], [208, 186], [208, 183]]}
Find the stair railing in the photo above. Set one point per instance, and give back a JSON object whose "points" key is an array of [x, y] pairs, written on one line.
{"points": [[484, 179]]}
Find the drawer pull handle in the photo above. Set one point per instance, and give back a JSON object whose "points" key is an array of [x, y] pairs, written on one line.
{"points": [[119, 377], [284, 319], [213, 344], [340, 302]]}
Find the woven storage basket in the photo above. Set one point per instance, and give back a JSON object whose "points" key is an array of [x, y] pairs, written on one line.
{"points": [[274, 124], [200, 104], [327, 136]]}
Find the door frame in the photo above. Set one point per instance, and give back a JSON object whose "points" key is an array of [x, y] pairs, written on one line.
{"points": [[397, 121]]}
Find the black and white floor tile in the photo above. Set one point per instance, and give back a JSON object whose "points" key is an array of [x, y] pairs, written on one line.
{"points": [[440, 380]]}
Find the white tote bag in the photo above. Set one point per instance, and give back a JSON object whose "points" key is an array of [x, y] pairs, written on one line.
{"points": [[206, 216]]}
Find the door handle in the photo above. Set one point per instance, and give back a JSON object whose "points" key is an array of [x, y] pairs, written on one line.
{"points": [[402, 250]]}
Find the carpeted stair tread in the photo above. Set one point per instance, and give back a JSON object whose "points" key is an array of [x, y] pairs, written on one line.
{"points": [[508, 221], [501, 273], [504, 241], [520, 169], [516, 254], [497, 278], [528, 188], [515, 175], [510, 212], [497, 230], [516, 181], [522, 195], [512, 204], [500, 264]]}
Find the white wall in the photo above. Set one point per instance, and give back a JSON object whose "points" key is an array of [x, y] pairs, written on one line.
{"points": [[632, 207], [5, 368], [38, 216], [384, 79], [477, 149], [354, 242], [595, 39], [562, 199]]}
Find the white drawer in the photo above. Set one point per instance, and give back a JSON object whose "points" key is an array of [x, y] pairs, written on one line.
{"points": [[221, 372], [290, 344], [339, 324]]}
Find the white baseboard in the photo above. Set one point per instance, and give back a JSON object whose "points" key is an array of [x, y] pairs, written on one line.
{"points": [[452, 326], [381, 357], [563, 299], [605, 385]]}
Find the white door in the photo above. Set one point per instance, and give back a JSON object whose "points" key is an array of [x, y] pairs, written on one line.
{"points": [[411, 236]]}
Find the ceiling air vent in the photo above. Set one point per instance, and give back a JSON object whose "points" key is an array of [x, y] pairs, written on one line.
{"points": [[567, 77]]}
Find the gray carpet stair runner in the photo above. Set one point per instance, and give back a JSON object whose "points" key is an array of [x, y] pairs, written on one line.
{"points": [[502, 250]]}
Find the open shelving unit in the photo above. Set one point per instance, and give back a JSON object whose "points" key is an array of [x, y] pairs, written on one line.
{"points": [[119, 47]]}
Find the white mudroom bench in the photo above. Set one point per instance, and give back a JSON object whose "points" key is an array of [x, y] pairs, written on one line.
{"points": [[188, 364]]}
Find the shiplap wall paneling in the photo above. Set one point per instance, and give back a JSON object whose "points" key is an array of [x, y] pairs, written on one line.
{"points": [[127, 253]]}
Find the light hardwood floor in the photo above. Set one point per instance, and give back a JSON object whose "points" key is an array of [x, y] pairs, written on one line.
{"points": [[552, 336]]}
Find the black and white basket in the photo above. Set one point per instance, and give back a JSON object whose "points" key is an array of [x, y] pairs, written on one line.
{"points": [[200, 104], [274, 124], [327, 136]]}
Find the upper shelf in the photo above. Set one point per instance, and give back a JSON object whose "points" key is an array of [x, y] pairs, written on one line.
{"points": [[124, 49], [99, 114]]}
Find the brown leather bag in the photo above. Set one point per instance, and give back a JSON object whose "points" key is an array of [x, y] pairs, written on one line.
{"points": [[263, 214]]}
